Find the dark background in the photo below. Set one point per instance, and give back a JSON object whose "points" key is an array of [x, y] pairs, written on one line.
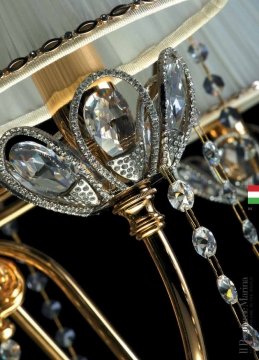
{"points": [[115, 270]]}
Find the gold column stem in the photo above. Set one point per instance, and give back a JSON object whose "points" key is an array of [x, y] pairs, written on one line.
{"points": [[167, 264], [74, 293], [26, 322], [14, 211]]}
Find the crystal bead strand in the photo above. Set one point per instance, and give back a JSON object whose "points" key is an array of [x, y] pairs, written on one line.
{"points": [[36, 281], [181, 197], [213, 85]]}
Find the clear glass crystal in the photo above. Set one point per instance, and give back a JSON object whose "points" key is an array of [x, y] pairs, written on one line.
{"points": [[51, 308], [10, 228], [204, 242], [180, 195], [250, 336], [65, 337], [211, 153], [198, 51], [229, 192], [36, 281], [238, 155], [229, 117], [10, 350], [108, 119], [175, 89], [40, 169], [227, 289], [250, 232], [213, 85]]}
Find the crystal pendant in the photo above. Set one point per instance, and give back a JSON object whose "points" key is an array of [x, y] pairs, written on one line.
{"points": [[36, 281], [213, 84], [40, 169], [237, 157], [211, 153], [250, 232], [229, 192], [250, 336], [204, 242], [10, 350], [65, 337], [198, 51], [180, 195], [175, 89], [227, 289], [108, 119], [51, 308], [229, 117]]}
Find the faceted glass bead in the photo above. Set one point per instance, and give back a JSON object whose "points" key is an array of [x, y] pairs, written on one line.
{"points": [[10, 228], [50, 309], [229, 192], [175, 89], [213, 85], [250, 232], [250, 336], [10, 350], [229, 117], [108, 120], [238, 155], [198, 51], [211, 153], [204, 242], [40, 169], [227, 289], [65, 337], [180, 195], [36, 281]]}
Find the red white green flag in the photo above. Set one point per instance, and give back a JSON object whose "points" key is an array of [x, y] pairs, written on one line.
{"points": [[253, 194]]}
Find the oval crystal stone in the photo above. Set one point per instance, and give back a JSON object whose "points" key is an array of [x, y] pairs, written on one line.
{"points": [[227, 289], [180, 195], [40, 169], [204, 242], [211, 153], [108, 119], [175, 93], [250, 232], [250, 336]]}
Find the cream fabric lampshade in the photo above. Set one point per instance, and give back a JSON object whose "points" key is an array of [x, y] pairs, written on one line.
{"points": [[131, 42]]}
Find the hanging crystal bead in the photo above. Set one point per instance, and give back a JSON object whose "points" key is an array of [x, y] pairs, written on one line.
{"points": [[198, 51], [180, 195], [204, 242], [229, 117], [51, 308], [211, 153], [213, 85], [229, 192], [65, 337], [36, 281], [250, 336], [250, 232], [227, 289]]}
